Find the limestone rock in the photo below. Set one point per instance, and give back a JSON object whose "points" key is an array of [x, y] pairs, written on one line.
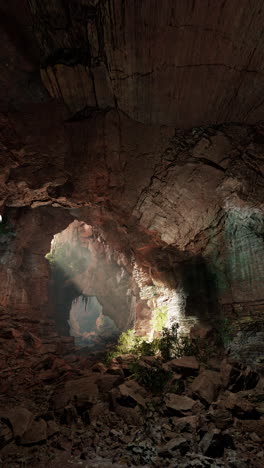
{"points": [[129, 415], [80, 391], [212, 444], [52, 428], [178, 443], [20, 419], [185, 364], [107, 381], [179, 403], [133, 391], [239, 406], [186, 423], [6, 434], [37, 432], [206, 386]]}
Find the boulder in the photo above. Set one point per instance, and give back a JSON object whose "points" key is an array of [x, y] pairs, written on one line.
{"points": [[185, 424], [206, 386], [179, 403], [82, 391], [130, 415], [6, 434], [36, 433], [107, 381], [200, 331], [178, 443], [212, 444], [251, 426], [52, 428], [98, 367], [19, 418], [133, 391], [185, 364], [115, 369], [221, 417], [239, 406]]}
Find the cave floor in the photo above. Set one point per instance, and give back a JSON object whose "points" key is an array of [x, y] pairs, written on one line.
{"points": [[63, 409]]}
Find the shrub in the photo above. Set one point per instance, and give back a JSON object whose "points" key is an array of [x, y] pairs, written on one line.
{"points": [[169, 345], [130, 343], [160, 318], [152, 378]]}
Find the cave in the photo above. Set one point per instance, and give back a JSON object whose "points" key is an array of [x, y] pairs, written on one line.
{"points": [[131, 233]]}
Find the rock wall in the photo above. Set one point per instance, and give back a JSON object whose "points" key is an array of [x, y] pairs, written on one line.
{"points": [[185, 206], [23, 268]]}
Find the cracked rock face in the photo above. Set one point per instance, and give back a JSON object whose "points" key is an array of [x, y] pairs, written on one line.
{"points": [[185, 206], [186, 64], [143, 124], [107, 147]]}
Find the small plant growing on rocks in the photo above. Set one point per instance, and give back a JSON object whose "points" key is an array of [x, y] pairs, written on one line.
{"points": [[152, 378], [130, 343], [160, 317]]}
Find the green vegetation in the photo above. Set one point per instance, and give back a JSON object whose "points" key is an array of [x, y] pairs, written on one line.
{"points": [[169, 345], [130, 343], [152, 378], [160, 318]]}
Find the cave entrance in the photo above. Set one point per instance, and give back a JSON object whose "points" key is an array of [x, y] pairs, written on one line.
{"points": [[97, 292], [89, 326], [89, 289]]}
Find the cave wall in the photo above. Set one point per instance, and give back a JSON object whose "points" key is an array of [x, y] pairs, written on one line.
{"points": [[24, 272], [165, 197]]}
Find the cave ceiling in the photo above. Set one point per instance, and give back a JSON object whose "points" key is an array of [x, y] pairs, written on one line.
{"points": [[180, 63], [147, 113]]}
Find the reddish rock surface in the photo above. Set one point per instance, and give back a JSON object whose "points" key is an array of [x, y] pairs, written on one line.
{"points": [[145, 125]]}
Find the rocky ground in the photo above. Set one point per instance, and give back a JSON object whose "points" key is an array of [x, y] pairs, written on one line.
{"points": [[59, 408]]}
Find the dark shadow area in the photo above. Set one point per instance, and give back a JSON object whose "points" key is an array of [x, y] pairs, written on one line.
{"points": [[200, 287], [75, 313], [65, 263], [62, 293]]}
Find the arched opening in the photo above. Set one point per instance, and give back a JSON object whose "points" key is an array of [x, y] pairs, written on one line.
{"points": [[96, 292], [89, 288], [88, 324]]}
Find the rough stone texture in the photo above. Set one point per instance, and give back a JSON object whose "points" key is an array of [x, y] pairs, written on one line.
{"points": [[206, 386], [74, 419], [187, 64], [157, 196], [23, 268], [180, 210], [185, 206], [185, 363]]}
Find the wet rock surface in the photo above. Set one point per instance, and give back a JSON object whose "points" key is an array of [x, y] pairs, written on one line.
{"points": [[89, 414]]}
